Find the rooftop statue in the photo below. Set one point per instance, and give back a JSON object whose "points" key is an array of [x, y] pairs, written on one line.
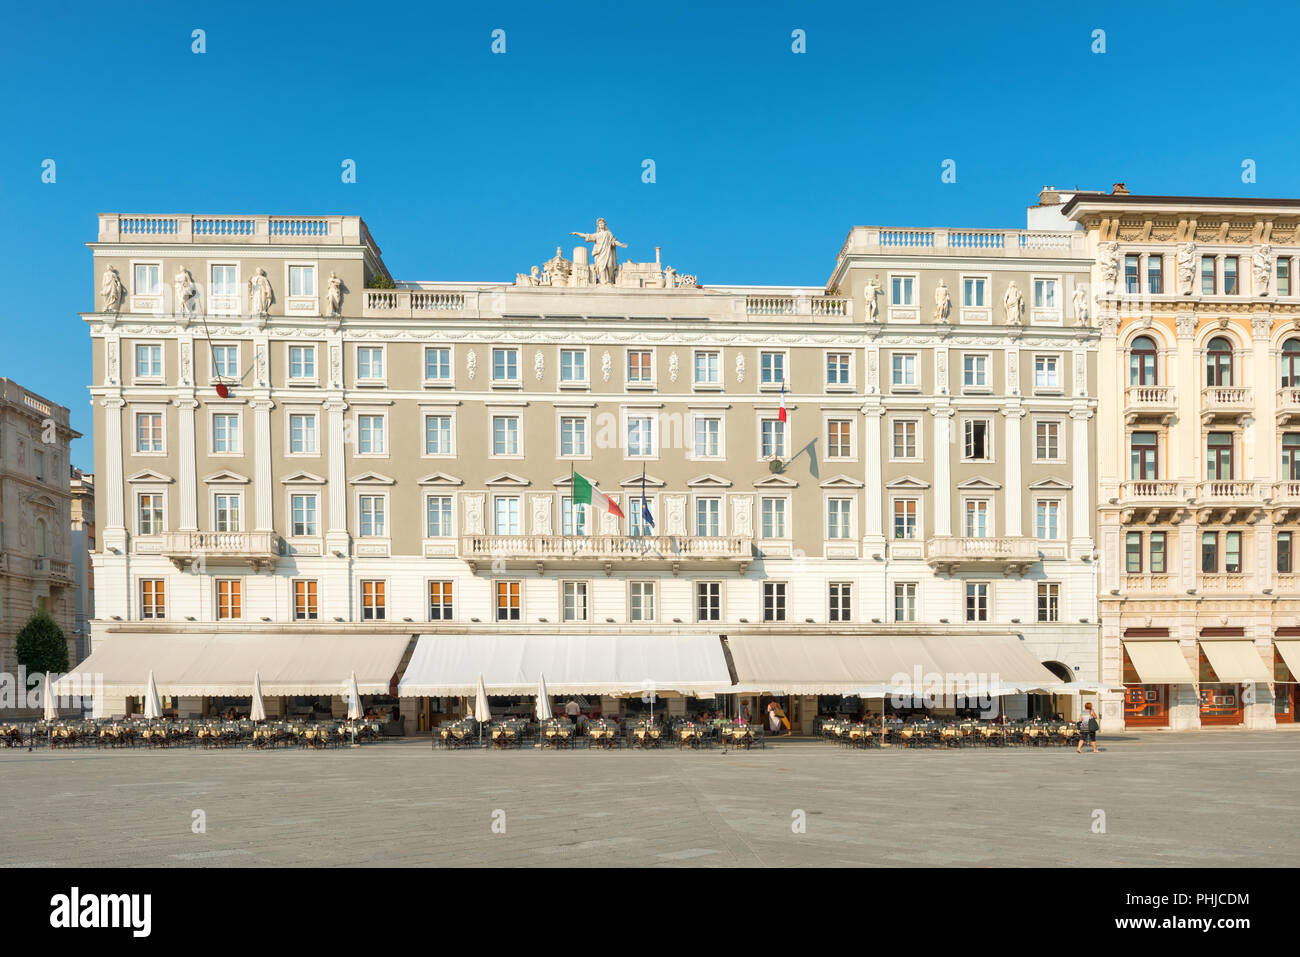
{"points": [[604, 254]]}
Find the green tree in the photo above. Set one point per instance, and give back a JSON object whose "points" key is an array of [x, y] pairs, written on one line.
{"points": [[41, 645]]}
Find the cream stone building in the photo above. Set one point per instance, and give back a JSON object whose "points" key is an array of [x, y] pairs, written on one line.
{"points": [[1198, 465], [290, 443], [36, 550]]}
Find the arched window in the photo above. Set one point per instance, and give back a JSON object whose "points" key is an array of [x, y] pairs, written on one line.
{"points": [[1291, 364], [1142, 362], [1218, 362]]}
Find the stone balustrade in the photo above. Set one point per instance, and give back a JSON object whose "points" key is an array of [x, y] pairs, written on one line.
{"points": [[605, 548], [258, 549]]}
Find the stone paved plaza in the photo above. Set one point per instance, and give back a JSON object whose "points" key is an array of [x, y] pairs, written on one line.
{"points": [[1208, 798]]}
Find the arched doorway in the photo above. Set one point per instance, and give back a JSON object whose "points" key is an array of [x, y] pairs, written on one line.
{"points": [[1049, 705]]}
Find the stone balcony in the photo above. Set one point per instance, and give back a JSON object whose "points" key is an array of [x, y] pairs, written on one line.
{"points": [[606, 550], [944, 241], [1149, 402], [1288, 404], [1229, 491], [256, 549], [1226, 401], [1013, 555], [1150, 583]]}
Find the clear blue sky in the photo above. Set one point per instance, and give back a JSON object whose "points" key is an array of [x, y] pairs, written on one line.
{"points": [[472, 165]]}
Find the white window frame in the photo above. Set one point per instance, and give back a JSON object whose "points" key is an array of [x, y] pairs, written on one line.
{"points": [[502, 382], [224, 303], [649, 383], [362, 581], [917, 421], [973, 389], [722, 513], [369, 381], [827, 419], [447, 382], [774, 386], [159, 490], [990, 526], [1059, 359], [304, 304], [518, 417], [1045, 315], [627, 414], [915, 385], [976, 315], [225, 410], [988, 601], [151, 302], [214, 373], [291, 492], [787, 518], [370, 412], [915, 599], [429, 495], [915, 290], [653, 586], [842, 583], [851, 384], [1060, 517], [519, 503], [695, 600], [852, 500], [561, 413], [359, 495], [1059, 422], [694, 451], [585, 381], [289, 377], [157, 410], [988, 420], [784, 451], [588, 613], [919, 532], [289, 413], [216, 597], [716, 386], [150, 379], [448, 413], [227, 491]]}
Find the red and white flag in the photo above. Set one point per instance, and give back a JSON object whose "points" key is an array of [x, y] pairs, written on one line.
{"points": [[781, 414]]}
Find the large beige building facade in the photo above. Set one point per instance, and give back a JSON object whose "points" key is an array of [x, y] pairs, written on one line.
{"points": [[1197, 467], [37, 552], [289, 441]]}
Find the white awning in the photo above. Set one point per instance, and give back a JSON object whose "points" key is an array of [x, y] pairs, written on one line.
{"points": [[573, 664], [872, 665], [1159, 662], [219, 665], [1290, 652], [1235, 661]]}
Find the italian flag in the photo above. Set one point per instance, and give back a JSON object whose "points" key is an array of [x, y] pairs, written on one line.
{"points": [[584, 493]]}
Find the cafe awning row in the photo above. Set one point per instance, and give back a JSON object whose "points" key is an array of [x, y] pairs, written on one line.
{"points": [[218, 665], [1235, 661], [1290, 652], [444, 665], [880, 665], [1159, 662]]}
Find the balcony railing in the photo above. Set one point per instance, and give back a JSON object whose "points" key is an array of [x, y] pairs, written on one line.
{"points": [[1151, 490], [942, 241], [1226, 400], [1014, 554], [1229, 490], [606, 548], [1142, 400], [1230, 582], [410, 303], [816, 306], [1286, 492], [1152, 582], [250, 229], [258, 549], [1288, 401]]}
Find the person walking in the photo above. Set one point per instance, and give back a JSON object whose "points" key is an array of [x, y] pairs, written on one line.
{"points": [[773, 718], [1088, 726]]}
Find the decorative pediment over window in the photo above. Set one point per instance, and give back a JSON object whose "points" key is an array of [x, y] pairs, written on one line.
{"points": [[41, 500], [226, 477], [908, 481], [979, 483], [841, 481], [508, 478], [775, 481], [709, 480], [1051, 485], [372, 478], [302, 478], [634, 481], [149, 475], [439, 478]]}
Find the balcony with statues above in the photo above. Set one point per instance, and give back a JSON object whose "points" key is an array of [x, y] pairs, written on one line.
{"points": [[606, 551]]}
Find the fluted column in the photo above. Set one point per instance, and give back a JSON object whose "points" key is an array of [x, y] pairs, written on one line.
{"points": [[336, 535], [1013, 523], [262, 464], [942, 471], [114, 514], [873, 528], [187, 481]]}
